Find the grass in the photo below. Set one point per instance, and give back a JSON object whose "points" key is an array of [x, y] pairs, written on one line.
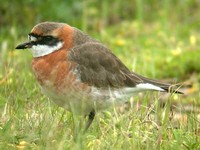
{"points": [[29, 120]]}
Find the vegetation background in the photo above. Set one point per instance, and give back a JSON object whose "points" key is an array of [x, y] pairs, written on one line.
{"points": [[158, 39]]}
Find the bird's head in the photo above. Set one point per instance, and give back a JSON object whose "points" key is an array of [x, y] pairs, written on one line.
{"points": [[47, 37]]}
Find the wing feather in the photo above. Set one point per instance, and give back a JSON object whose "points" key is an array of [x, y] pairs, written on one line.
{"points": [[99, 67]]}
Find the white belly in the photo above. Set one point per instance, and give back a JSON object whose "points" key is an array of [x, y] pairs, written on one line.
{"points": [[95, 99]]}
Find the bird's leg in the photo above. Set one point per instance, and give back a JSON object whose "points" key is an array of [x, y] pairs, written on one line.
{"points": [[90, 119]]}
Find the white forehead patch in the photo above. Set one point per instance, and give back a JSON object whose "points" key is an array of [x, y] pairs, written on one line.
{"points": [[32, 38], [42, 50]]}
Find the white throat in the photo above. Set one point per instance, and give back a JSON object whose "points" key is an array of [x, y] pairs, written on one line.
{"points": [[42, 50]]}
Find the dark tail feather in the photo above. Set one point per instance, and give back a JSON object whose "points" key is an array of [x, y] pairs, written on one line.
{"points": [[172, 89]]}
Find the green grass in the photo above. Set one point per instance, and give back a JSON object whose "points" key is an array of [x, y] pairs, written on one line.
{"points": [[29, 120]]}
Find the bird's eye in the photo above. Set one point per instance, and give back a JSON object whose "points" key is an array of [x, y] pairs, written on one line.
{"points": [[32, 38], [49, 38]]}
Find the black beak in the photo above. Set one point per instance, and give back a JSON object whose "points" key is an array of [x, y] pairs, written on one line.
{"points": [[25, 45]]}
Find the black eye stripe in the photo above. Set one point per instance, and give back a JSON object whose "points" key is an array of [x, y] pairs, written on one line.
{"points": [[45, 40], [48, 40]]}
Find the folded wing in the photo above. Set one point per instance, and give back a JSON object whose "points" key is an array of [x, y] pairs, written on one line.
{"points": [[100, 68]]}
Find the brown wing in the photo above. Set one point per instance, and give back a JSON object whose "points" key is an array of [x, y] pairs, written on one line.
{"points": [[99, 67]]}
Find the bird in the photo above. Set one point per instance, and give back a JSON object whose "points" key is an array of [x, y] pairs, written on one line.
{"points": [[81, 74]]}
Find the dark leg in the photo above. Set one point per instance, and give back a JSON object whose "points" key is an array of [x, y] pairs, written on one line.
{"points": [[90, 119]]}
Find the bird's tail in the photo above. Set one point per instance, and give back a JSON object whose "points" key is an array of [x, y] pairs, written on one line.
{"points": [[160, 86]]}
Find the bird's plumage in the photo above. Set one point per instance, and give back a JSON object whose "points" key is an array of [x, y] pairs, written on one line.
{"points": [[75, 70]]}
